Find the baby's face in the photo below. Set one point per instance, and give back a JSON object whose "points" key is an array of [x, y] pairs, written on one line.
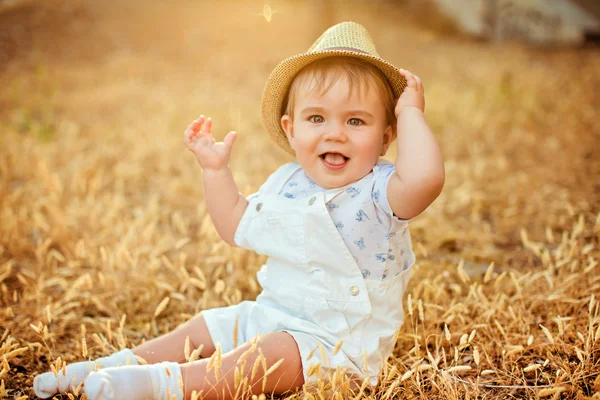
{"points": [[338, 139]]}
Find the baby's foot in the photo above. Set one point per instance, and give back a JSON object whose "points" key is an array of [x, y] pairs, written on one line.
{"points": [[47, 384], [138, 382]]}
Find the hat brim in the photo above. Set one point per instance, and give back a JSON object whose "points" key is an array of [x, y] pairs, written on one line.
{"points": [[282, 76]]}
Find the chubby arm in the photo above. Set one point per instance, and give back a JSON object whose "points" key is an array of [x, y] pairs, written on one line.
{"points": [[224, 202], [420, 173]]}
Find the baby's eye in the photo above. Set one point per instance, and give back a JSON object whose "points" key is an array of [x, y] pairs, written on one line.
{"points": [[317, 119], [355, 121]]}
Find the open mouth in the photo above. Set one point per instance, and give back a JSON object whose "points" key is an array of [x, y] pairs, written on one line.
{"points": [[334, 160]]}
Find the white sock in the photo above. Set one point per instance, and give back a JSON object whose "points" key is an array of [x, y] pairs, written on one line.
{"points": [[47, 384], [136, 382]]}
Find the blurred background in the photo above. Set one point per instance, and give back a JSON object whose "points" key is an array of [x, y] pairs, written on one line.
{"points": [[512, 87], [97, 187]]}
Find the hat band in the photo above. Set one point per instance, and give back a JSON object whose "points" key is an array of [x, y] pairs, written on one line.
{"points": [[345, 48]]}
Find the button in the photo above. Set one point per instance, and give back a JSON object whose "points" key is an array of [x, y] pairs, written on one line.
{"points": [[258, 206], [354, 290], [311, 201]]}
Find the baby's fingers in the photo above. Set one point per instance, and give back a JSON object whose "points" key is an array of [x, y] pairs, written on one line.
{"points": [[419, 84], [195, 125], [411, 82], [230, 139], [192, 129], [207, 126]]}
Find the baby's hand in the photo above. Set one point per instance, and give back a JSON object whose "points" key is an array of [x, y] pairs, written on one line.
{"points": [[200, 141], [413, 95]]}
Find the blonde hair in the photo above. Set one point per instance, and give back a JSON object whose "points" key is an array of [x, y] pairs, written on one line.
{"points": [[322, 75]]}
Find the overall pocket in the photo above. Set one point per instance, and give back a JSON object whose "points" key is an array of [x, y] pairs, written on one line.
{"points": [[332, 321], [280, 236], [355, 313], [337, 323]]}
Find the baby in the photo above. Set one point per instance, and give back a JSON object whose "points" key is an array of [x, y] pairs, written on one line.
{"points": [[334, 226]]}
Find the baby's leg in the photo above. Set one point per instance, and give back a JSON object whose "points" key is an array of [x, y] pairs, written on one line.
{"points": [[168, 347], [274, 346], [153, 381]]}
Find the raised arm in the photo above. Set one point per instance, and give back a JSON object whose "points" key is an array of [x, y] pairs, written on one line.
{"points": [[224, 202], [420, 173]]}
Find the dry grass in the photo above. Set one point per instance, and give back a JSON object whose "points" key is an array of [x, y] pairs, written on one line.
{"points": [[105, 241]]}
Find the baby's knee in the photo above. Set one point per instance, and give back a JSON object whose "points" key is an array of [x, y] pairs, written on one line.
{"points": [[196, 329], [277, 346]]}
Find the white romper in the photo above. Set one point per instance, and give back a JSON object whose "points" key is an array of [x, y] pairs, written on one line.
{"points": [[313, 287]]}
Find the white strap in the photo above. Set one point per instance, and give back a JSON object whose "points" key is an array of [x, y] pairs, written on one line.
{"points": [[277, 179]]}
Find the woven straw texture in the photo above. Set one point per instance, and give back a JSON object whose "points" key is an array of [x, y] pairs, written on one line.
{"points": [[344, 39]]}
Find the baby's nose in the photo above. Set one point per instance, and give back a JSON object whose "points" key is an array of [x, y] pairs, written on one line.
{"points": [[335, 131]]}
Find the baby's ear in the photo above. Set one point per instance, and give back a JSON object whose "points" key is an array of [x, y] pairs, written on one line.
{"points": [[388, 136], [288, 127]]}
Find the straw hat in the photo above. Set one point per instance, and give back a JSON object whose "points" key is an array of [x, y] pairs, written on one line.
{"points": [[344, 39]]}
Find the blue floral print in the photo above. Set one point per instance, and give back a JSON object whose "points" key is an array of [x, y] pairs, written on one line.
{"points": [[360, 215], [352, 191], [381, 257], [311, 184], [339, 225], [391, 255], [332, 206], [293, 183], [360, 243], [375, 195], [289, 195]]}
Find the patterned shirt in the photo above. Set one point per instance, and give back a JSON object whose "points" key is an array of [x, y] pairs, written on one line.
{"points": [[364, 219]]}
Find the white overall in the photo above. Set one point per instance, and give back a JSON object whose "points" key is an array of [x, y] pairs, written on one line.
{"points": [[312, 288]]}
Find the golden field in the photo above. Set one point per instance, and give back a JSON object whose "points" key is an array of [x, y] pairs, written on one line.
{"points": [[101, 206]]}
